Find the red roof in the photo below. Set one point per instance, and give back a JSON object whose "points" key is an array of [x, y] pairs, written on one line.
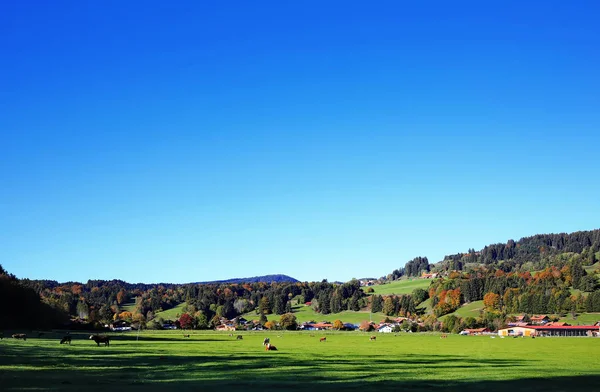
{"points": [[476, 330], [538, 317], [557, 327]]}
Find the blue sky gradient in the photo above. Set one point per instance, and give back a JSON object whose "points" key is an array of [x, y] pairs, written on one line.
{"points": [[156, 142]]}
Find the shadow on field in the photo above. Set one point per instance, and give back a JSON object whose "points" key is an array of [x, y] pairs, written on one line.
{"points": [[125, 368]]}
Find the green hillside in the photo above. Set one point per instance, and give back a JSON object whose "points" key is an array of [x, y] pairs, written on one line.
{"points": [[173, 313], [582, 319], [404, 286], [306, 313], [468, 310]]}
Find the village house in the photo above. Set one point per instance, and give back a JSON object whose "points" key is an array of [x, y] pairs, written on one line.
{"points": [[474, 331], [539, 319], [385, 328], [545, 330], [225, 327]]}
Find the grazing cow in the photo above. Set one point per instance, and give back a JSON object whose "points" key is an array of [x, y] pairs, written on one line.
{"points": [[266, 341], [20, 336], [186, 336], [373, 337], [270, 347], [100, 339], [323, 339], [239, 337], [65, 339]]}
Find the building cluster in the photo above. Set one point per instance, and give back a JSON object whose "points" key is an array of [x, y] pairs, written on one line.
{"points": [[540, 325]]}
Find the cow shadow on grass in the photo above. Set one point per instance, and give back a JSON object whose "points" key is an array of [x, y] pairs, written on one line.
{"points": [[95, 368]]}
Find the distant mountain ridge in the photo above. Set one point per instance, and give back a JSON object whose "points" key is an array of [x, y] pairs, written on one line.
{"points": [[278, 278]]}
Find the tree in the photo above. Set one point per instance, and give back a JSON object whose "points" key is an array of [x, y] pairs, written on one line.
{"points": [[419, 295], [186, 321], [214, 322], [336, 303], [288, 321], [263, 319], [241, 305], [82, 309], [270, 325], [201, 320], [588, 283], [491, 301], [279, 305], [405, 325], [121, 296], [376, 304], [450, 323], [337, 324], [264, 307], [388, 306], [105, 313], [366, 326]]}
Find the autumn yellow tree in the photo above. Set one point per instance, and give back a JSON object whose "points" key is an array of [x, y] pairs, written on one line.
{"points": [[491, 301], [270, 325], [337, 324]]}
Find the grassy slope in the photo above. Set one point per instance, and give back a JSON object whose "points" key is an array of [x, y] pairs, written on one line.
{"points": [[404, 286], [469, 310], [346, 361], [582, 319], [173, 313], [306, 313]]}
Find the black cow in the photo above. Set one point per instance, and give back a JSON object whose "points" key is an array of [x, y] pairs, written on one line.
{"points": [[100, 339], [65, 340]]}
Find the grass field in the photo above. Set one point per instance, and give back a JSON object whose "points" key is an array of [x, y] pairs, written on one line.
{"points": [[404, 286], [346, 361]]}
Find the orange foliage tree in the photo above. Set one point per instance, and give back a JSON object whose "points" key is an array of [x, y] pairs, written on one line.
{"points": [[491, 301]]}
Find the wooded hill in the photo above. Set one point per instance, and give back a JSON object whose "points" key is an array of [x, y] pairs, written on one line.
{"points": [[538, 274]]}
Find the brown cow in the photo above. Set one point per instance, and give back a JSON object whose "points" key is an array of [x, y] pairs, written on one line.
{"points": [[323, 339], [100, 339], [20, 336], [270, 347], [186, 336], [65, 339], [373, 337]]}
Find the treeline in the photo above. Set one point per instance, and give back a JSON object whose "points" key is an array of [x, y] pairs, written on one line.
{"points": [[531, 253], [548, 291], [22, 308], [399, 305], [537, 251], [414, 268], [100, 302]]}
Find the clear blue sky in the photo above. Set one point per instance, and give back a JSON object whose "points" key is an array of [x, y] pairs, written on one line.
{"points": [[181, 141]]}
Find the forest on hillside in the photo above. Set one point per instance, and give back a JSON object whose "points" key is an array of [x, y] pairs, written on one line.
{"points": [[555, 273]]}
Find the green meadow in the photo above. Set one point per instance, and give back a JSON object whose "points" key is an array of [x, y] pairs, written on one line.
{"points": [[403, 286], [346, 361]]}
